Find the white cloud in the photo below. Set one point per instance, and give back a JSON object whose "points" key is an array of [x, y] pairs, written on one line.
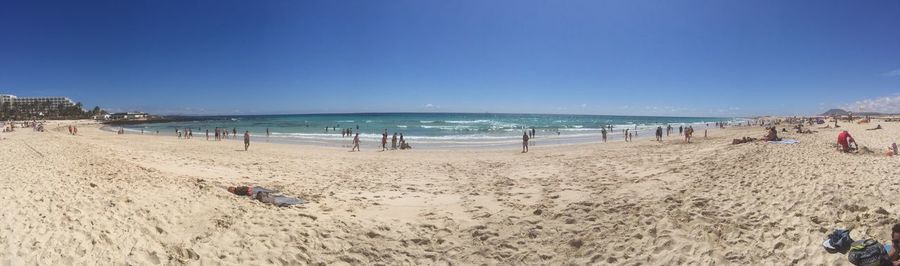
{"points": [[886, 104], [894, 73], [430, 106]]}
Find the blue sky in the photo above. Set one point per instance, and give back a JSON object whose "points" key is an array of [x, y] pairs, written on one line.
{"points": [[693, 58]]}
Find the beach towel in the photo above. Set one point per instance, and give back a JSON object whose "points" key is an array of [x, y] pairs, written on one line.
{"points": [[277, 200], [785, 141], [265, 195]]}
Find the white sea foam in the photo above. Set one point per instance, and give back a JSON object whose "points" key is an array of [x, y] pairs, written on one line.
{"points": [[467, 121]]}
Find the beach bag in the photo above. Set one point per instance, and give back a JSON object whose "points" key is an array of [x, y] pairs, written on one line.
{"points": [[838, 241], [867, 253]]}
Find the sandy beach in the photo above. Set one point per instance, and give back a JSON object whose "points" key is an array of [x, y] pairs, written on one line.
{"points": [[102, 198]]}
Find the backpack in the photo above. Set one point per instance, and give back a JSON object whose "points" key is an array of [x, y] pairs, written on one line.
{"points": [[867, 253], [838, 241]]}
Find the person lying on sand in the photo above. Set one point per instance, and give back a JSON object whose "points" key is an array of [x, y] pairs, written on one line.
{"points": [[844, 139], [265, 195], [876, 127], [742, 140]]}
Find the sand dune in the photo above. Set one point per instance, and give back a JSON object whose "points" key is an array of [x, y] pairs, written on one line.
{"points": [[111, 199]]}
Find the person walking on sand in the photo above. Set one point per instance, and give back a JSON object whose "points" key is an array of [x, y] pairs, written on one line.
{"points": [[626, 135], [394, 141], [355, 143], [659, 133], [234, 132], [246, 140], [687, 134], [525, 142], [384, 140], [603, 133], [207, 134]]}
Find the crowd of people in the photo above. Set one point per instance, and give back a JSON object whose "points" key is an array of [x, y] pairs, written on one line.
{"points": [[397, 140]]}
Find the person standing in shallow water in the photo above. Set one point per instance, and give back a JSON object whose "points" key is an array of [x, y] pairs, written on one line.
{"points": [[525, 142], [246, 140], [603, 132]]}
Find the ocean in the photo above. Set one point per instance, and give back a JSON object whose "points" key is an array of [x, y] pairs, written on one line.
{"points": [[427, 130]]}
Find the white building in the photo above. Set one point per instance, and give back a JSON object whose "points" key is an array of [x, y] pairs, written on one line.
{"points": [[128, 116], [36, 105]]}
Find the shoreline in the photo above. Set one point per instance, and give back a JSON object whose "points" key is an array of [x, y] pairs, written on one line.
{"points": [[537, 142]]}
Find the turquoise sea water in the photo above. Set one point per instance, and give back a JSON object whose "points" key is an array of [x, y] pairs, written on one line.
{"points": [[446, 130]]}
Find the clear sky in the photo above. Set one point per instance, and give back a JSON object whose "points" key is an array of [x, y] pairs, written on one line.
{"points": [[714, 58]]}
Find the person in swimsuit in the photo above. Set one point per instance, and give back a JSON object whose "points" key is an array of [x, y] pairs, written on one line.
{"points": [[355, 143], [246, 140], [525, 142]]}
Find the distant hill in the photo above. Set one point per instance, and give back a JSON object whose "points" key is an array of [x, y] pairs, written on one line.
{"points": [[834, 112], [842, 112]]}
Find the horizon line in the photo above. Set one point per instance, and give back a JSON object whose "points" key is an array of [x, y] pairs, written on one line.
{"points": [[495, 113]]}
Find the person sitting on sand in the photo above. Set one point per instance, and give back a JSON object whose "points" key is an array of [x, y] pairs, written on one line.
{"points": [[893, 252], [876, 127], [772, 136], [891, 150], [405, 146], [844, 139]]}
